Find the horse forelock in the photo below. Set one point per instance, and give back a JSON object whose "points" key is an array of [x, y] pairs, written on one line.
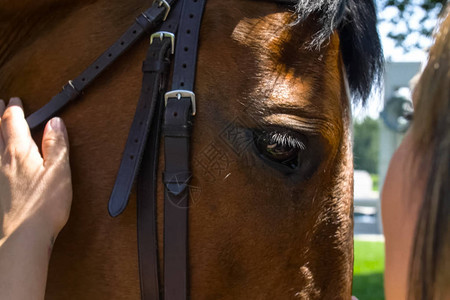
{"points": [[328, 13], [361, 48], [360, 44]]}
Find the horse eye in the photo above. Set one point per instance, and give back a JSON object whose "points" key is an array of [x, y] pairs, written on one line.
{"points": [[281, 148]]}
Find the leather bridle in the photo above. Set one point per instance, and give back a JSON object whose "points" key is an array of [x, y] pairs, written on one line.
{"points": [[178, 24]]}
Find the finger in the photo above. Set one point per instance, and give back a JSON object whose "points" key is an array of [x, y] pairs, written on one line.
{"points": [[2, 110], [14, 127], [55, 143]]}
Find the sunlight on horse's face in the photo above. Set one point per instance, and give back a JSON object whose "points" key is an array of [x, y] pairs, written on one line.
{"points": [[270, 216], [264, 225]]}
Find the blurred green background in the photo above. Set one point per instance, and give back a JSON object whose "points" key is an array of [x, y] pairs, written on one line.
{"points": [[368, 270]]}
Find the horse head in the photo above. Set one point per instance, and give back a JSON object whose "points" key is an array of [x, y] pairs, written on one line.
{"points": [[270, 212]]}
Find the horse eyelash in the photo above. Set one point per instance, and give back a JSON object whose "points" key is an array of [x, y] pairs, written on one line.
{"points": [[286, 139]]}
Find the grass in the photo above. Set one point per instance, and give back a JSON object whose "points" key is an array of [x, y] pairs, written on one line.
{"points": [[368, 270], [375, 181]]}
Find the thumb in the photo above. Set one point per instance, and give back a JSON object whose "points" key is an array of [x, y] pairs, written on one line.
{"points": [[55, 143]]}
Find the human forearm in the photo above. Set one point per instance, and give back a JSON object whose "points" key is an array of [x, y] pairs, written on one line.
{"points": [[24, 257], [35, 199]]}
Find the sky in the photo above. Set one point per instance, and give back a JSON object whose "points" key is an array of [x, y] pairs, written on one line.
{"points": [[395, 54]]}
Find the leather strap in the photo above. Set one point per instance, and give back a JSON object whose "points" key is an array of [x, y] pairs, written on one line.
{"points": [[146, 212], [147, 185], [177, 129], [177, 174], [143, 24], [187, 43], [134, 147], [155, 67]]}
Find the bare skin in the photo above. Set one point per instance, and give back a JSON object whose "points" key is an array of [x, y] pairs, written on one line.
{"points": [[35, 200], [401, 200]]}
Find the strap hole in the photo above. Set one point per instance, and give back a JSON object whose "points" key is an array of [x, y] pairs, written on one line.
{"points": [[186, 49], [109, 54], [184, 66], [83, 79], [131, 157], [96, 67], [188, 31], [122, 43], [134, 31], [175, 114], [182, 83], [136, 141], [191, 16]]}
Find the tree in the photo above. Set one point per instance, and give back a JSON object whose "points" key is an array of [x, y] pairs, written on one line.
{"points": [[424, 13], [366, 145]]}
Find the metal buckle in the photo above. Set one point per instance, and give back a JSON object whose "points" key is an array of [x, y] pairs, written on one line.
{"points": [[182, 94], [167, 6], [162, 35]]}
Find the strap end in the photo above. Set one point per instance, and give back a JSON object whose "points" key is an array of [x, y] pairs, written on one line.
{"points": [[116, 204]]}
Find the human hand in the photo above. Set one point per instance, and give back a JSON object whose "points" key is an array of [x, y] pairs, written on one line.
{"points": [[35, 190]]}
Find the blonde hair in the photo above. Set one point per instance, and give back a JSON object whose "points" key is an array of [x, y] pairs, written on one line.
{"points": [[430, 262]]}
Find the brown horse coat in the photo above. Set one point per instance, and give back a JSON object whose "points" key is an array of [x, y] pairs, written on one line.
{"points": [[255, 231]]}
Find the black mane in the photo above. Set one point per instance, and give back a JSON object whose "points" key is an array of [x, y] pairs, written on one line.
{"points": [[361, 49]]}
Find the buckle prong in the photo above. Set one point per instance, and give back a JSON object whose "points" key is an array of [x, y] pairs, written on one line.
{"points": [[182, 94], [166, 5], [163, 34]]}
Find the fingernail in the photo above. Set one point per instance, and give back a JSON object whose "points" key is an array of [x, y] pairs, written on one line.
{"points": [[56, 124], [15, 101]]}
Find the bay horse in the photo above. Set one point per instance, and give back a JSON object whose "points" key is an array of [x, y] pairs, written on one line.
{"points": [[271, 198]]}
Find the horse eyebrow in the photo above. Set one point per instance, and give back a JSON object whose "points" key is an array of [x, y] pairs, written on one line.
{"points": [[325, 127]]}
